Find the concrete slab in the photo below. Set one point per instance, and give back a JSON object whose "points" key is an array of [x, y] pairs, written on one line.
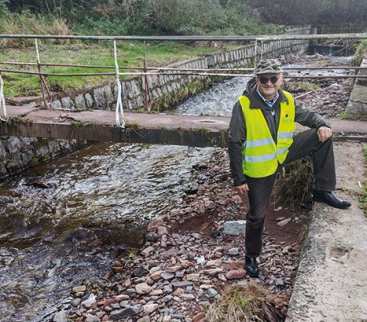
{"points": [[154, 128], [331, 283]]}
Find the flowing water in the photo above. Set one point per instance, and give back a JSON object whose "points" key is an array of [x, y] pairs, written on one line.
{"points": [[54, 217]]}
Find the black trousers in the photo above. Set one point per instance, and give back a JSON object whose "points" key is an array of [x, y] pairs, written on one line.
{"points": [[304, 144]]}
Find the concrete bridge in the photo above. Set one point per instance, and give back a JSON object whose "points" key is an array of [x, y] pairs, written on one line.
{"points": [[152, 128]]}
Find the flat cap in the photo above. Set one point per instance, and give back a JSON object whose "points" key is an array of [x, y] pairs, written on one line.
{"points": [[268, 66]]}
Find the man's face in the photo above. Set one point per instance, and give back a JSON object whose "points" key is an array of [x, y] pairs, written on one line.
{"points": [[269, 84]]}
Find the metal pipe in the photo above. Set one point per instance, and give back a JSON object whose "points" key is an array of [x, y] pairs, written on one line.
{"points": [[172, 73], [192, 38], [180, 69]]}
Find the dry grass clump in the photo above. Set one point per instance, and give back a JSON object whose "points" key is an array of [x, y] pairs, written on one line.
{"points": [[244, 304], [294, 186], [26, 23]]}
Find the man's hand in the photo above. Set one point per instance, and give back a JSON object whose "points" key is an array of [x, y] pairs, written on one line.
{"points": [[242, 189], [324, 133]]}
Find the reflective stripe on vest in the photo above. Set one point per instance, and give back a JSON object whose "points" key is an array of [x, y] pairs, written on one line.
{"points": [[261, 155]]}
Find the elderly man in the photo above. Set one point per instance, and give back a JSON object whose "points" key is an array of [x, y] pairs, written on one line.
{"points": [[261, 137]]}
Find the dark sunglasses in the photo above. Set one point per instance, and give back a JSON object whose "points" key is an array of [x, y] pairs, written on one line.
{"points": [[264, 80]]}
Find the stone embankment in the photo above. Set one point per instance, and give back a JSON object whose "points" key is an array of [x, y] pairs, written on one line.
{"points": [[165, 91]]}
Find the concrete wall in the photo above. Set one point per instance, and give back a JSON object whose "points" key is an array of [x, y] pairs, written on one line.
{"points": [[17, 154]]}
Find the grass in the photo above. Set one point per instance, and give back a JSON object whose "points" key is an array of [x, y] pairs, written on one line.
{"points": [[131, 54], [242, 304], [364, 192]]}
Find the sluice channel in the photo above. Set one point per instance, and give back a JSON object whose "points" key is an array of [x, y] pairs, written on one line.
{"points": [[62, 223]]}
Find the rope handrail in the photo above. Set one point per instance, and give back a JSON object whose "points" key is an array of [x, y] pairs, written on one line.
{"points": [[355, 36]]}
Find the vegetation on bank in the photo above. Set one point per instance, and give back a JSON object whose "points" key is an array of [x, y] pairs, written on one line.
{"points": [[361, 50], [132, 17]]}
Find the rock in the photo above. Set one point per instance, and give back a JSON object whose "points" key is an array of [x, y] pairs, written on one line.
{"points": [[143, 288], [181, 284], [76, 302], [193, 277], [233, 251], [284, 222], [222, 277], [234, 228], [92, 318], [212, 293], [79, 289], [152, 237], [139, 271], [188, 297], [147, 251], [167, 276], [213, 271], [149, 308], [162, 230], [118, 315], [173, 269], [156, 275], [90, 301], [144, 319], [214, 263], [121, 297], [60, 317], [235, 274], [200, 260], [156, 292]]}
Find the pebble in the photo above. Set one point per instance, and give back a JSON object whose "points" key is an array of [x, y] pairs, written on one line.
{"points": [[233, 251], [60, 317], [79, 289], [117, 315], [143, 288], [147, 251], [90, 301], [167, 276], [150, 308], [92, 318], [212, 293], [235, 274], [76, 302]]}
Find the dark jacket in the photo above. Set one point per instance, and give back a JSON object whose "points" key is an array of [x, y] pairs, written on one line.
{"points": [[237, 127]]}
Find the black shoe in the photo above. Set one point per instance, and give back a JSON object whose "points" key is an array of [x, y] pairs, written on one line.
{"points": [[329, 198], [251, 266]]}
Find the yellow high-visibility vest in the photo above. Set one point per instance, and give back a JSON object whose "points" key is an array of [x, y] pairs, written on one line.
{"points": [[261, 155]]}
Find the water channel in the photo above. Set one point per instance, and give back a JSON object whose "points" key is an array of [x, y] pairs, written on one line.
{"points": [[50, 216]]}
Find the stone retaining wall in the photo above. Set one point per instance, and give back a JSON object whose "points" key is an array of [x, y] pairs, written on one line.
{"points": [[17, 154], [357, 105], [166, 91]]}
